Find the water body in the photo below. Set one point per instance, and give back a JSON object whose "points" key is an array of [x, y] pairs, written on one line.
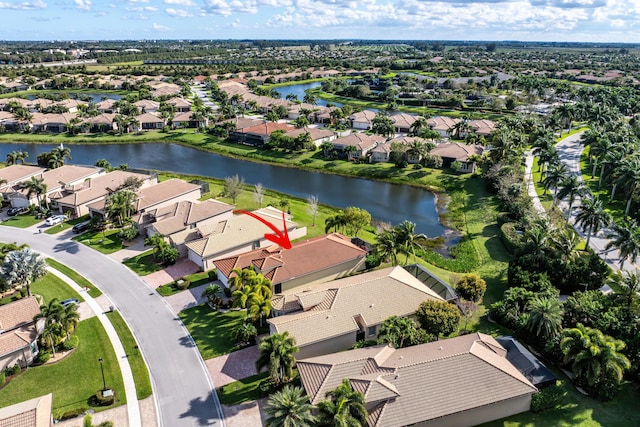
{"points": [[299, 91], [95, 97], [387, 202]]}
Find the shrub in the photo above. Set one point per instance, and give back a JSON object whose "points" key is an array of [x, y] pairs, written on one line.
{"points": [[42, 357], [227, 292], [213, 274], [372, 261], [168, 255], [128, 233], [71, 342], [438, 317], [15, 369], [245, 334], [510, 237], [23, 292], [182, 284], [471, 287], [547, 398], [3, 378], [72, 413], [101, 400], [504, 217]]}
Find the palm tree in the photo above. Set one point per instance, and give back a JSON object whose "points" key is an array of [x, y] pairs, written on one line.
{"points": [[626, 238], [628, 178], [571, 188], [22, 267], [627, 286], [564, 242], [387, 246], [211, 294], [547, 157], [16, 156], [544, 318], [69, 319], [419, 124], [289, 407], [337, 222], [350, 151], [120, 206], [242, 296], [51, 312], [343, 407], [595, 358], [398, 331], [277, 353], [555, 174], [592, 217], [310, 98], [38, 187], [416, 150], [407, 239], [60, 154], [51, 334], [241, 278], [258, 307]]}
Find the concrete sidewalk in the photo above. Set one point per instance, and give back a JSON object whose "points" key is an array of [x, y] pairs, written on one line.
{"points": [[531, 186], [133, 410]]}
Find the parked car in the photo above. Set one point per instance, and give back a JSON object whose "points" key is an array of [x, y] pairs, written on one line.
{"points": [[56, 219], [16, 211], [81, 227], [68, 302]]}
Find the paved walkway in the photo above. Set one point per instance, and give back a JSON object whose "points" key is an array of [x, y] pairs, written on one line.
{"points": [[133, 410], [134, 248], [531, 186], [183, 267], [187, 299]]}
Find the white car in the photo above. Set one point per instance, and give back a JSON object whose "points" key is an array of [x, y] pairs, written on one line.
{"points": [[56, 219]]}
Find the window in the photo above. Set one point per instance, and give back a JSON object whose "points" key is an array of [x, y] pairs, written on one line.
{"points": [[371, 331], [277, 288], [34, 347], [255, 245]]}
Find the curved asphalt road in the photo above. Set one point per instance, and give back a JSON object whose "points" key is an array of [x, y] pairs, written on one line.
{"points": [[181, 383]]}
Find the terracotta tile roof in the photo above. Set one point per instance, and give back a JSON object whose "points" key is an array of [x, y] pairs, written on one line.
{"points": [[18, 313], [179, 102], [363, 116], [234, 233], [101, 119], [147, 104], [56, 179], [267, 128], [403, 120], [242, 123], [456, 150], [183, 117], [30, 413], [330, 308], [482, 127], [420, 383], [302, 259]]}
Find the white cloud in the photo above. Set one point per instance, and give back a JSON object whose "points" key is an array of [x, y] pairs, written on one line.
{"points": [[25, 5], [178, 12], [142, 9], [183, 3], [161, 28], [222, 7], [83, 4]]}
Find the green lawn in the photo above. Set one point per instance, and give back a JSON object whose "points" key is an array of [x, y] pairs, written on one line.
{"points": [[80, 280], [211, 330], [196, 279], [51, 286], [138, 366], [66, 225], [106, 243], [21, 221], [143, 264], [76, 378], [244, 390], [578, 410]]}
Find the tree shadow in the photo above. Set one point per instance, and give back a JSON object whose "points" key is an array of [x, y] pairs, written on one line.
{"points": [[203, 411], [186, 341], [69, 246]]}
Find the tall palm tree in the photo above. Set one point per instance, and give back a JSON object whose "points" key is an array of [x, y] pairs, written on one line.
{"points": [[627, 286], [60, 153], [69, 319], [554, 175], [595, 358], [38, 187], [120, 205], [51, 312], [211, 294], [51, 334], [565, 242], [242, 296], [407, 239], [628, 178], [343, 407], [626, 238], [387, 246], [337, 222], [258, 307], [15, 157], [242, 277], [547, 157], [571, 188], [592, 217], [277, 353], [544, 318], [398, 331], [289, 407]]}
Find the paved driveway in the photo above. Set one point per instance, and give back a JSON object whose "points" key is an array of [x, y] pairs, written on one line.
{"points": [[182, 386]]}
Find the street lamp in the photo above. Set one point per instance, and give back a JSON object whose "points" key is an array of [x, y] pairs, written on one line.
{"points": [[104, 384]]}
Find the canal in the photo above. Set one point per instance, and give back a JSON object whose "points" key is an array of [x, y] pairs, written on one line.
{"points": [[386, 202]]}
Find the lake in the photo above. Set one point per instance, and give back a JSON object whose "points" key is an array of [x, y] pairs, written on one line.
{"points": [[299, 91], [386, 202]]}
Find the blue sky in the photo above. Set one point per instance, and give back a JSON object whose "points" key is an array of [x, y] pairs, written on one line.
{"points": [[544, 20]]}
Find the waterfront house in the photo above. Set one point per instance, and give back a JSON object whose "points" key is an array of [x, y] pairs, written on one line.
{"points": [[19, 332], [362, 120], [362, 142], [455, 151]]}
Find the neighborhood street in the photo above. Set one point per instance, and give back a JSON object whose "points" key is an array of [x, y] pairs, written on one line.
{"points": [[182, 387]]}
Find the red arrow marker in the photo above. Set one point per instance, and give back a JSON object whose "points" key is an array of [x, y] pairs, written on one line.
{"points": [[279, 238]]}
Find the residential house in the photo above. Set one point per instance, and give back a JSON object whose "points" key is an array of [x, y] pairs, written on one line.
{"points": [[147, 106], [58, 181], [455, 151], [56, 123], [19, 333], [332, 316], [442, 124], [456, 382], [77, 199], [186, 120], [482, 127], [362, 120], [259, 134], [402, 122], [107, 106], [293, 111], [380, 153], [318, 135], [407, 141], [362, 142], [181, 105], [71, 104], [316, 260], [238, 235], [14, 176], [30, 413], [180, 222], [104, 122], [148, 121]]}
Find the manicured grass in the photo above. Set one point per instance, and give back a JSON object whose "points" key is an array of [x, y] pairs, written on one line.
{"points": [[66, 225], [143, 264], [244, 390], [51, 286], [138, 366], [106, 243], [211, 330], [21, 221], [578, 410], [196, 279], [76, 378], [80, 280]]}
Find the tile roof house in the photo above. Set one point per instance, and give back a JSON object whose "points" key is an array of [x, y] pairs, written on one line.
{"points": [[91, 190], [318, 135], [364, 144], [182, 105], [455, 151], [147, 106], [362, 120], [259, 134], [482, 127], [380, 153], [187, 120], [149, 121], [30, 413], [103, 122], [456, 382], [402, 122], [442, 124], [332, 316], [239, 234], [316, 260], [14, 175], [19, 333]]}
